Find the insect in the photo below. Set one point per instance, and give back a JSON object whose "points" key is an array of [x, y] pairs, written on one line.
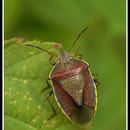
{"points": [[73, 86]]}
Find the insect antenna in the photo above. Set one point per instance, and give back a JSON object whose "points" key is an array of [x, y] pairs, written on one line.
{"points": [[50, 53], [77, 38]]}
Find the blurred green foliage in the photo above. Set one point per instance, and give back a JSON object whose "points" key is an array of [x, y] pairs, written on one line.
{"points": [[103, 45]]}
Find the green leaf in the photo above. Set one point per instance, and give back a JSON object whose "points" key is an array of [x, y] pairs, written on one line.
{"points": [[26, 69]]}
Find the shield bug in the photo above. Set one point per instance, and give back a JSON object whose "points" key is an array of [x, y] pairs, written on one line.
{"points": [[73, 86]]}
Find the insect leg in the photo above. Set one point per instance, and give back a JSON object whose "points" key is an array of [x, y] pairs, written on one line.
{"points": [[80, 57], [90, 126], [77, 54], [95, 74], [50, 61], [97, 82], [48, 85], [51, 106]]}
